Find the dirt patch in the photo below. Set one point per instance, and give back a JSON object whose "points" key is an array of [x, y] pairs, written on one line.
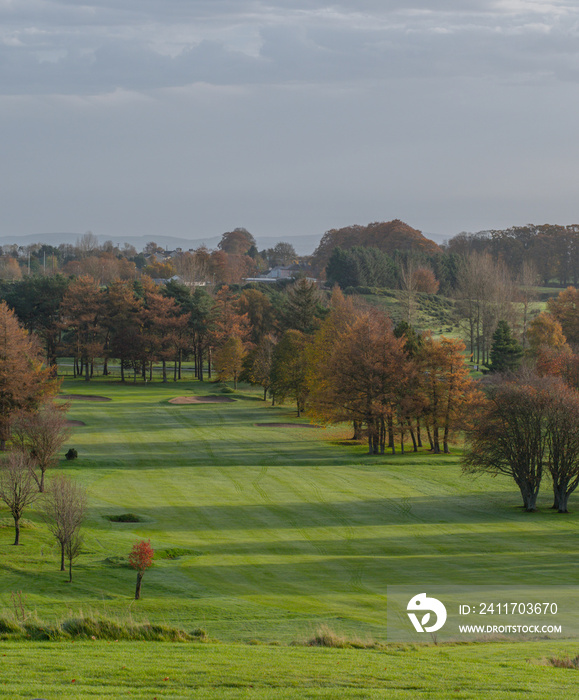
{"points": [[287, 425], [83, 397], [201, 399], [75, 422]]}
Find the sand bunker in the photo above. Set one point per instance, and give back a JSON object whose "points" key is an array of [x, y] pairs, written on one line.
{"points": [[287, 425], [83, 397], [75, 422], [201, 399]]}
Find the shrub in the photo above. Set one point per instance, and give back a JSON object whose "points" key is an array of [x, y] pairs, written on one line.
{"points": [[326, 637], [71, 454], [565, 662], [227, 390], [125, 518]]}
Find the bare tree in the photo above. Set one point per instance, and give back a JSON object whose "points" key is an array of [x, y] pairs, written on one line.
{"points": [[484, 296], [64, 510], [408, 289], [73, 549], [41, 434], [17, 486], [526, 295]]}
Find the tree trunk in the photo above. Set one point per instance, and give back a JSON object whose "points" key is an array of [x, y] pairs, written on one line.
{"points": [[265, 393], [445, 441], [16, 530], [138, 588], [70, 570], [164, 372], [62, 566], [435, 440], [357, 430], [41, 484], [391, 443], [430, 437], [418, 435], [122, 370], [413, 436]]}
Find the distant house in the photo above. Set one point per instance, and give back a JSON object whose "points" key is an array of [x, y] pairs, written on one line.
{"points": [[280, 272]]}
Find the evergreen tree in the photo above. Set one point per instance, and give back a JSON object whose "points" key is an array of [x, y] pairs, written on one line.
{"points": [[303, 307], [506, 352]]}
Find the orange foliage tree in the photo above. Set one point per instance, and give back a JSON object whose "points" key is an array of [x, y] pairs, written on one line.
{"points": [[24, 382]]}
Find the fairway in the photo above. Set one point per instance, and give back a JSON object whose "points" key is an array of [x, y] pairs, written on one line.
{"points": [[264, 533]]}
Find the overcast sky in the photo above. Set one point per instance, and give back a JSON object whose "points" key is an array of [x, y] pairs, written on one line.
{"points": [[288, 117]]}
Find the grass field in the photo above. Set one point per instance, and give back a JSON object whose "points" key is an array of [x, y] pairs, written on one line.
{"points": [[144, 671], [263, 534]]}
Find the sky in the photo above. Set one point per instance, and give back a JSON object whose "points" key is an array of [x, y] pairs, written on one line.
{"points": [[192, 117]]}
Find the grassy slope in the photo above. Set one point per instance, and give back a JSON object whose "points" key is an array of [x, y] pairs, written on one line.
{"points": [[286, 530]]}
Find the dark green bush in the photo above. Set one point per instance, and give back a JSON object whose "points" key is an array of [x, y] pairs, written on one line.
{"points": [[71, 454], [125, 518]]}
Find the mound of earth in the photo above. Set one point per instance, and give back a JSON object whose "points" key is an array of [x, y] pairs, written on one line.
{"points": [[201, 399], [75, 422], [287, 425], [83, 397]]}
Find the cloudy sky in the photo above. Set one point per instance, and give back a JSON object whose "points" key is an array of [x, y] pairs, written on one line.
{"points": [[288, 117]]}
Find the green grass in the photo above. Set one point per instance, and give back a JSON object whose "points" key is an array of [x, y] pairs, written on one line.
{"points": [[147, 670], [264, 535]]}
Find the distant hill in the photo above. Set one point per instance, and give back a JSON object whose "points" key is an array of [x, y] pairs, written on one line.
{"points": [[387, 236]]}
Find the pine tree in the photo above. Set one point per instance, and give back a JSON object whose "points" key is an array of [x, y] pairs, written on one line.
{"points": [[506, 352]]}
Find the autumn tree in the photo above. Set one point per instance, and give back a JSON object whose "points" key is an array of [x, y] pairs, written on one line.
{"points": [[81, 319], [259, 311], [24, 382], [41, 434], [545, 331], [141, 558], [236, 242], [162, 323], [446, 387], [64, 510], [509, 435], [229, 360], [565, 309], [123, 323], [258, 363], [321, 376], [17, 486], [288, 372], [227, 319], [363, 377]]}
